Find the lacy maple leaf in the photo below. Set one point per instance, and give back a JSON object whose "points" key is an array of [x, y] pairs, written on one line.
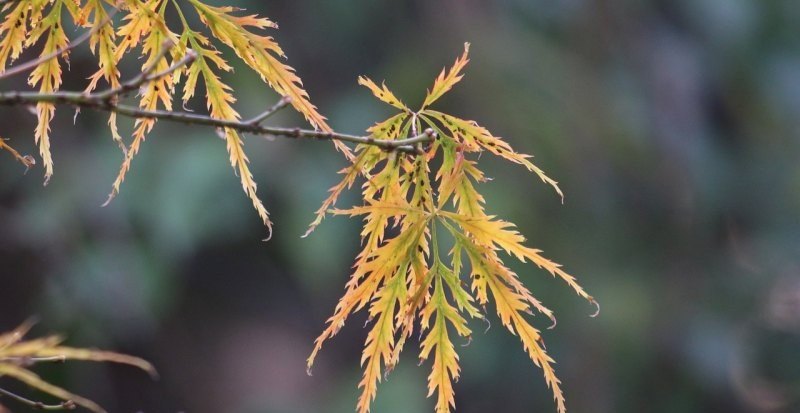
{"points": [[402, 276]]}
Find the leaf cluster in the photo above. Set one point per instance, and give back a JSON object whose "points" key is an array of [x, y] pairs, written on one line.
{"points": [[143, 29], [402, 277], [411, 198]]}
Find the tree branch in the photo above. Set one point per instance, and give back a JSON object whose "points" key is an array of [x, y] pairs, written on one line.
{"points": [[147, 74], [102, 101], [107, 101]]}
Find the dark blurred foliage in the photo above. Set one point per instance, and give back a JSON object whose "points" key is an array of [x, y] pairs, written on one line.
{"points": [[672, 127]]}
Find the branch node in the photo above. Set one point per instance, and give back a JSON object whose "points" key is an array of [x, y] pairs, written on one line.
{"points": [[280, 104]]}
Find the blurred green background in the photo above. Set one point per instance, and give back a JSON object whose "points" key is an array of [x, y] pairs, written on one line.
{"points": [[672, 127]]}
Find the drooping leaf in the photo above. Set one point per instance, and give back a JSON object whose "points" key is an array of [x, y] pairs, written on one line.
{"points": [[401, 213], [151, 94], [48, 77], [18, 355], [262, 54], [13, 31]]}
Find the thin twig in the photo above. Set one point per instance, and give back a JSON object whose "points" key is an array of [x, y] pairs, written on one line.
{"points": [[26, 160], [187, 59], [71, 45], [107, 101], [282, 103], [98, 102], [29, 361], [147, 74], [65, 405]]}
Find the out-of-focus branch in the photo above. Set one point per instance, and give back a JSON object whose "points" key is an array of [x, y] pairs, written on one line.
{"points": [[26, 160], [65, 405], [29, 361]]}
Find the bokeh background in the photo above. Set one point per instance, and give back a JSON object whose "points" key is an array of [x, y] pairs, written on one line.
{"points": [[672, 127]]}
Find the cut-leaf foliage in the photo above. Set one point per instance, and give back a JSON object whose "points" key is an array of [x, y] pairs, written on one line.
{"points": [[140, 26], [18, 355], [402, 277]]}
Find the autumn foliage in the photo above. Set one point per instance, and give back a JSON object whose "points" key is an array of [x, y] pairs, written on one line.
{"points": [[18, 355], [412, 199], [404, 279]]}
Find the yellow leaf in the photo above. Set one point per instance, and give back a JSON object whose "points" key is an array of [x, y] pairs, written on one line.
{"points": [[457, 181], [219, 101], [364, 161], [140, 19], [401, 213], [392, 209], [445, 362], [72, 353], [380, 340], [474, 137], [18, 355], [48, 76], [490, 233], [509, 307], [158, 90], [33, 380], [372, 269], [13, 32], [258, 52], [383, 93], [102, 43], [447, 80]]}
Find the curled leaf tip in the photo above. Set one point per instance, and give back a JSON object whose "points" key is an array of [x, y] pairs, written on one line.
{"points": [[111, 196], [151, 371], [597, 307], [269, 234], [389, 369]]}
